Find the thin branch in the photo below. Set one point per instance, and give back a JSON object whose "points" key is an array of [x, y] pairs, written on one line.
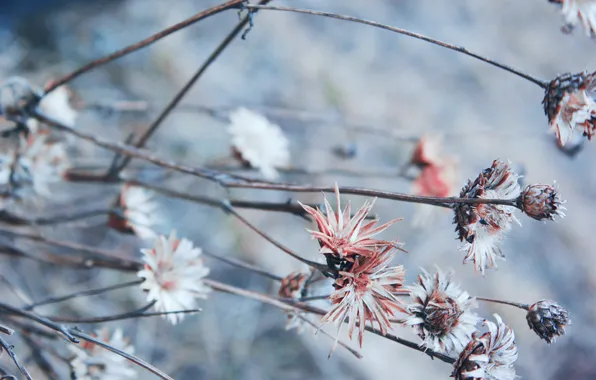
{"points": [[320, 330], [39, 319], [85, 293], [516, 304], [146, 42], [109, 318], [9, 350], [294, 306], [243, 265], [184, 90], [132, 358], [13, 219], [539, 82], [235, 181], [323, 268]]}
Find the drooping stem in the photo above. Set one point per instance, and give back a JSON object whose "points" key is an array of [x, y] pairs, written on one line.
{"points": [[539, 82], [510, 303]]}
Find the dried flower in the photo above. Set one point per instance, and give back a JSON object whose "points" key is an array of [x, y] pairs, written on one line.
{"points": [[367, 293], [40, 162], [440, 312], [293, 286], [490, 356], [139, 210], [173, 274], [426, 151], [259, 142], [343, 236], [576, 11], [541, 202], [56, 105], [568, 103], [548, 319], [92, 362], [482, 226]]}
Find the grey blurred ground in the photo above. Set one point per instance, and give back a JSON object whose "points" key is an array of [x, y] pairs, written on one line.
{"points": [[369, 76]]}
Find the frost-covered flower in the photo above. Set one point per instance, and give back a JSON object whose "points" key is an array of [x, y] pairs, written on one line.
{"points": [[427, 151], [259, 142], [569, 104], [548, 320], [367, 293], [56, 105], [440, 312], [343, 236], [92, 362], [490, 356], [482, 226], [542, 202], [140, 212], [173, 274], [40, 163], [578, 11]]}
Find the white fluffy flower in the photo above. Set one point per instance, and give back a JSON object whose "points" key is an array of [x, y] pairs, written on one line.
{"points": [[57, 106], [140, 211], [440, 312], [483, 226], [490, 356], [173, 275], [259, 142], [92, 362], [579, 11]]}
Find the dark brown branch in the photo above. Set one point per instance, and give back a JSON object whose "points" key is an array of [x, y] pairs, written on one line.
{"points": [[146, 42], [243, 265], [17, 220], [235, 181], [39, 319], [459, 49], [516, 304]]}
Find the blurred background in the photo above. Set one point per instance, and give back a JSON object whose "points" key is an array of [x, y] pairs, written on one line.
{"points": [[350, 80]]}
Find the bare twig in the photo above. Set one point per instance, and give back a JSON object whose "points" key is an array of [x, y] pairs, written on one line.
{"points": [[459, 49], [516, 304], [39, 319], [146, 42], [178, 97], [84, 293], [132, 358], [9, 350]]}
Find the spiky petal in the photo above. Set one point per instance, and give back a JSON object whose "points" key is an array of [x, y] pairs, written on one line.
{"points": [[347, 237], [367, 293], [440, 312], [576, 12], [174, 274]]}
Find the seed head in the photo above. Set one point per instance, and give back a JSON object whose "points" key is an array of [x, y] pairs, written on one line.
{"points": [[548, 319], [292, 285], [541, 202]]}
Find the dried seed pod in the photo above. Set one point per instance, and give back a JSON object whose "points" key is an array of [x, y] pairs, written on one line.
{"points": [[548, 319], [541, 202]]}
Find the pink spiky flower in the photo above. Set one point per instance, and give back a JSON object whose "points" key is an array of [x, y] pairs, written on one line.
{"points": [[368, 292], [346, 237], [576, 12]]}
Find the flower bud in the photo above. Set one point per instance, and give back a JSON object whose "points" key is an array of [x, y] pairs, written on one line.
{"points": [[548, 320], [541, 202]]}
